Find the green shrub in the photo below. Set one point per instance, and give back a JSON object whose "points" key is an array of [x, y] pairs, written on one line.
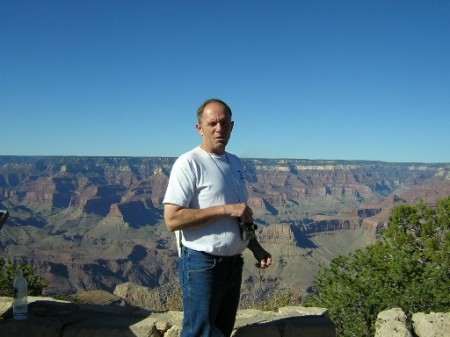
{"points": [[280, 298], [8, 271], [408, 268]]}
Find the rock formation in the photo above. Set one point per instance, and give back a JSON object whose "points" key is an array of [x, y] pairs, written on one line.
{"points": [[89, 223]]}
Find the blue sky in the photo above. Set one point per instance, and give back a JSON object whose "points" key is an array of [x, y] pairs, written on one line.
{"points": [[312, 79]]}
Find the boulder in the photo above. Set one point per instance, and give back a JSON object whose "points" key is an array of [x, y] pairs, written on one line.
{"points": [[392, 323], [434, 324]]}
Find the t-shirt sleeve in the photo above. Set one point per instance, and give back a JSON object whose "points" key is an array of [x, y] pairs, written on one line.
{"points": [[181, 186]]}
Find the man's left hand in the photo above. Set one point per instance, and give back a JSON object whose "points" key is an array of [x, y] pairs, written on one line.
{"points": [[261, 255]]}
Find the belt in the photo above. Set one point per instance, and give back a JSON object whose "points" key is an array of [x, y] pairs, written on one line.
{"points": [[231, 258]]}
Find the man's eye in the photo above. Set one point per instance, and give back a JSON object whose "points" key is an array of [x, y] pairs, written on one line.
{"points": [[223, 124]]}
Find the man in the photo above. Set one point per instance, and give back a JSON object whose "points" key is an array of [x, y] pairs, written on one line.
{"points": [[205, 203]]}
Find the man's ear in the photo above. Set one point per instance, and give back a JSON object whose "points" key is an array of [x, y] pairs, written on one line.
{"points": [[199, 129]]}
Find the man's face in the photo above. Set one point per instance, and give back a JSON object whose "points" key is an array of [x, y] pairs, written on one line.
{"points": [[215, 128]]}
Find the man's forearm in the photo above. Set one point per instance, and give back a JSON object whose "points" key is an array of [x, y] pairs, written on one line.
{"points": [[254, 245], [180, 218]]}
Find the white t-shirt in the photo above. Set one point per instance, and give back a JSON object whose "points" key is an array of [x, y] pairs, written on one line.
{"points": [[199, 180]]}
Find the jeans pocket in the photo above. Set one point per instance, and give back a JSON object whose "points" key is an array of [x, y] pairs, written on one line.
{"points": [[198, 262]]}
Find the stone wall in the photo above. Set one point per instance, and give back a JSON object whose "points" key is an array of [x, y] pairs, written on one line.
{"points": [[392, 323], [110, 316], [51, 318]]}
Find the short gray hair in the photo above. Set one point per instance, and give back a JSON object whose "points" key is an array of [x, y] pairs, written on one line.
{"points": [[211, 100]]}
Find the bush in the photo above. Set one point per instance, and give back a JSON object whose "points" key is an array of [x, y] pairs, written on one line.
{"points": [[174, 298], [408, 268], [280, 298], [8, 272]]}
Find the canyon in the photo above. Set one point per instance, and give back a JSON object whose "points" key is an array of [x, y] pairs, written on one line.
{"points": [[89, 223]]}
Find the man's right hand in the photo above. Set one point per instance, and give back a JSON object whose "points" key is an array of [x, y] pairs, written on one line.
{"points": [[242, 212]]}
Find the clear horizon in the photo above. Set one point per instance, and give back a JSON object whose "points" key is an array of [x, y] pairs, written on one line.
{"points": [[243, 158], [315, 80]]}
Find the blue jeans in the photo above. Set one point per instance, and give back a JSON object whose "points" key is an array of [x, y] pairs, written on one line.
{"points": [[211, 288]]}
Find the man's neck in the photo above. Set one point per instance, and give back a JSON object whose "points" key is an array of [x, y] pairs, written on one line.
{"points": [[216, 152]]}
